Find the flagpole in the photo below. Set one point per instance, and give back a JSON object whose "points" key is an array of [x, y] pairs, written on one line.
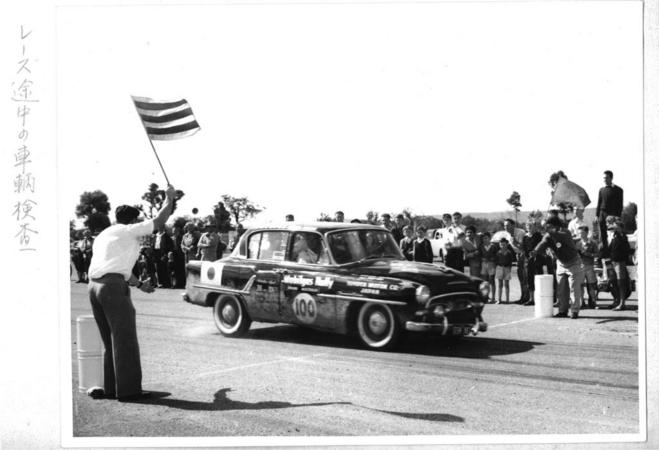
{"points": [[158, 158]]}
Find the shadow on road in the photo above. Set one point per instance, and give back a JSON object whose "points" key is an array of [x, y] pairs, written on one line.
{"points": [[616, 319], [433, 417], [467, 347], [221, 402]]}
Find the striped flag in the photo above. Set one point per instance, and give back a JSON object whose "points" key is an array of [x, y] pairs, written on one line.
{"points": [[164, 121]]}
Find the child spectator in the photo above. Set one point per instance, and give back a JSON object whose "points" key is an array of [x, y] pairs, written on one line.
{"points": [[504, 260], [488, 251], [422, 250], [619, 252], [588, 250], [407, 243]]}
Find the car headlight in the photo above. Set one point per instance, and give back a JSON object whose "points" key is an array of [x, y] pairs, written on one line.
{"points": [[422, 294], [484, 288]]}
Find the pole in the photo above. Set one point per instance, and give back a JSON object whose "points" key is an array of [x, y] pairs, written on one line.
{"points": [[158, 158]]}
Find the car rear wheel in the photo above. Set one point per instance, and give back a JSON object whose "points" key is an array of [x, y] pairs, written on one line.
{"points": [[230, 316], [377, 327]]}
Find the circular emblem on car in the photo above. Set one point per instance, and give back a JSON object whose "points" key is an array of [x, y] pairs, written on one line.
{"points": [[559, 245], [210, 273], [304, 307]]}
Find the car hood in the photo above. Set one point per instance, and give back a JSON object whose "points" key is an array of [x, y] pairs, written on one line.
{"points": [[437, 276]]}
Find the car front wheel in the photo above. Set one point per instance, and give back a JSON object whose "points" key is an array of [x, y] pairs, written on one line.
{"points": [[230, 316], [377, 327]]}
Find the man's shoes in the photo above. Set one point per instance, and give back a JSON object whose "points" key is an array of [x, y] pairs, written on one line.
{"points": [[561, 314], [529, 303], [614, 305], [620, 307], [98, 393], [574, 315], [144, 395]]}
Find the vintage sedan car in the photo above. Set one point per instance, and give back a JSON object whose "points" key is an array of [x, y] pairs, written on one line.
{"points": [[337, 277]]}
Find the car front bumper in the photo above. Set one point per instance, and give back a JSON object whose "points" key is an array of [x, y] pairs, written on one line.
{"points": [[445, 328]]}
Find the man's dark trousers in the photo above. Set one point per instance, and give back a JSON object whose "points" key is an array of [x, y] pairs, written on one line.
{"points": [[115, 317]]}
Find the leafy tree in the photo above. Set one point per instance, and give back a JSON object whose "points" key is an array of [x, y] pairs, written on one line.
{"points": [[154, 198], [480, 223], [536, 215], [222, 218], [240, 208], [427, 221], [180, 222], [94, 208], [515, 203]]}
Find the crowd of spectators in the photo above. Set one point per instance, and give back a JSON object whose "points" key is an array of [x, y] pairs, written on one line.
{"points": [[164, 255], [569, 251]]}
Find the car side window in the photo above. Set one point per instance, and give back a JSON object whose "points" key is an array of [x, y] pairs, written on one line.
{"points": [[308, 248], [253, 245], [268, 245]]}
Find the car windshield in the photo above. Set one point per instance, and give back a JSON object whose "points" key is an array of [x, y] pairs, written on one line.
{"points": [[356, 245]]}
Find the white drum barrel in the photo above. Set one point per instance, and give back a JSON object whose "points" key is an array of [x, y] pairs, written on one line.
{"points": [[90, 353], [544, 295]]}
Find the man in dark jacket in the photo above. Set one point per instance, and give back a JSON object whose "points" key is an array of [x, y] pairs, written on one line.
{"points": [[609, 203], [568, 263]]}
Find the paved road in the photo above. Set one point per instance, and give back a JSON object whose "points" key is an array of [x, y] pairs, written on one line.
{"points": [[524, 376]]}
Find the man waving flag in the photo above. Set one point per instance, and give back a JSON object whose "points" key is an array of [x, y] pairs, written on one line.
{"points": [[164, 121]]}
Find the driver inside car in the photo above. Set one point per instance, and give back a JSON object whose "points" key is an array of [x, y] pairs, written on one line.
{"points": [[301, 251]]}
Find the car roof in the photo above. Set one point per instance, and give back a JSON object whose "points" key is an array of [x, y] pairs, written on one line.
{"points": [[322, 227]]}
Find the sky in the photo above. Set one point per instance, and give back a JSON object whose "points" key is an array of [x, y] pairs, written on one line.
{"points": [[309, 108]]}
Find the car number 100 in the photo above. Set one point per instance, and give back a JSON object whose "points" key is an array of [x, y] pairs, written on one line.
{"points": [[304, 307]]}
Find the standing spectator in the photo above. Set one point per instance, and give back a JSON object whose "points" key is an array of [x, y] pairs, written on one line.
{"points": [[146, 265], [587, 249], [407, 243], [339, 216], [386, 221], [85, 247], [533, 264], [189, 242], [453, 237], [440, 233], [471, 251], [488, 252], [576, 223], [208, 242], [162, 245], [609, 203], [568, 263], [422, 250], [618, 251], [78, 261], [178, 259], [504, 263], [221, 246], [514, 237], [397, 229], [115, 252]]}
